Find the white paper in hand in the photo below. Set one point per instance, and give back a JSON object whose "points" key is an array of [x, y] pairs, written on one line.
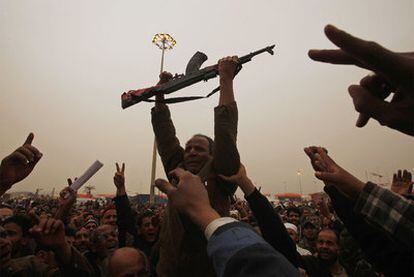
{"points": [[78, 183]]}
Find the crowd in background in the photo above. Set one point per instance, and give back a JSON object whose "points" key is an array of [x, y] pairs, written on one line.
{"points": [[354, 229]]}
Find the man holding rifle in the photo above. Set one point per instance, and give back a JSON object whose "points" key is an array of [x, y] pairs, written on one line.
{"points": [[182, 245]]}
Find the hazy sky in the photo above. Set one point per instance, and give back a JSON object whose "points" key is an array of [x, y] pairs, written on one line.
{"points": [[64, 65]]}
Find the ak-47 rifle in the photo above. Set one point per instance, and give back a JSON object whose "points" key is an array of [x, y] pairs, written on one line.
{"points": [[193, 74]]}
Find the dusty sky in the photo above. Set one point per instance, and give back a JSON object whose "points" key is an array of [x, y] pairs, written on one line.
{"points": [[64, 64]]}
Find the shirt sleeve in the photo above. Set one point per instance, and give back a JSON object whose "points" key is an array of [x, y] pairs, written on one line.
{"points": [[236, 250], [167, 142], [388, 211], [226, 156], [271, 226]]}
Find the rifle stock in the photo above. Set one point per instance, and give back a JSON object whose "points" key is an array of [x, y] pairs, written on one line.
{"points": [[181, 81]]}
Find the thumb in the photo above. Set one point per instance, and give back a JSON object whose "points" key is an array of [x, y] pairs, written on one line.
{"points": [[164, 186], [225, 178]]}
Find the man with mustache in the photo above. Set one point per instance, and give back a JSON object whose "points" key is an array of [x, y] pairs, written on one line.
{"points": [[182, 246], [326, 262]]}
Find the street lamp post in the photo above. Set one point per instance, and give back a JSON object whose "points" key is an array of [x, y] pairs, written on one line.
{"points": [[164, 42], [299, 173]]}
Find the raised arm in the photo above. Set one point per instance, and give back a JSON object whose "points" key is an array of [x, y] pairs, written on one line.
{"points": [[125, 219], [167, 142], [51, 233], [67, 197], [18, 165], [226, 156], [271, 226], [388, 211]]}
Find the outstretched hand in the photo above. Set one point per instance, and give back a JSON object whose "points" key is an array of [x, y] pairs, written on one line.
{"points": [[164, 78], [49, 232], [67, 196], [402, 182], [19, 164], [189, 197], [394, 73], [328, 171], [241, 180]]}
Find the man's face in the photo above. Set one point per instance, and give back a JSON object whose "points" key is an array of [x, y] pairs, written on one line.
{"points": [[5, 247], [292, 235], [196, 154], [109, 217], [327, 246], [309, 232], [147, 230], [108, 240], [82, 239], [293, 218], [14, 234]]}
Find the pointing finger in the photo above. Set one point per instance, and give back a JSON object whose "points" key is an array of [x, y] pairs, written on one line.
{"points": [[29, 139], [370, 54]]}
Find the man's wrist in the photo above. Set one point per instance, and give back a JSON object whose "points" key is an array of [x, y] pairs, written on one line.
{"points": [[355, 187], [203, 217], [246, 185], [226, 81]]}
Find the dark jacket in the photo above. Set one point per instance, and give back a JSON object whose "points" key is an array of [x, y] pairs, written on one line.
{"points": [[182, 249]]}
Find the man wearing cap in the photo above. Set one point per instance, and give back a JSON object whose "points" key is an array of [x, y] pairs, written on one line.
{"points": [[293, 233]]}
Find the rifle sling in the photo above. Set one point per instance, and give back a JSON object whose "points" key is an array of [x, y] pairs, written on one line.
{"points": [[184, 98], [190, 98]]}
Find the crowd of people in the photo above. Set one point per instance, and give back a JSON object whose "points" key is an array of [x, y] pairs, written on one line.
{"points": [[359, 229]]}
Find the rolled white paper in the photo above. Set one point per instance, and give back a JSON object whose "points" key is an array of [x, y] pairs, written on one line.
{"points": [[78, 183]]}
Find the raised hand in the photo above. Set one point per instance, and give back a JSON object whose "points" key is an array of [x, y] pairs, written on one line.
{"points": [[394, 73], [402, 182], [164, 78], [50, 232], [119, 179], [67, 197], [189, 197], [328, 171], [227, 67], [19, 164], [241, 180]]}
